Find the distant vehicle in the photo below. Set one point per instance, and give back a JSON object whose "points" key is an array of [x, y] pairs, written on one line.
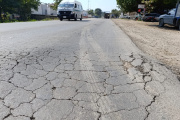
{"points": [[172, 18], [89, 16], [95, 16], [125, 17], [151, 17], [70, 9], [107, 15]]}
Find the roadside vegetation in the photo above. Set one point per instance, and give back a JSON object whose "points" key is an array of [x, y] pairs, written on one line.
{"points": [[116, 13], [158, 6], [91, 12], [56, 3], [99, 13], [96, 13], [29, 20], [22, 8]]}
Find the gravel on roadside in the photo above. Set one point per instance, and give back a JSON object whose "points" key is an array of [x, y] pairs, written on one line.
{"points": [[161, 43]]}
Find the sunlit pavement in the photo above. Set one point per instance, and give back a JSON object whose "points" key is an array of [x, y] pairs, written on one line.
{"points": [[82, 70]]}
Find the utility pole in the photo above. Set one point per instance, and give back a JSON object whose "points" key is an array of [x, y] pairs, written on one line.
{"points": [[88, 5]]}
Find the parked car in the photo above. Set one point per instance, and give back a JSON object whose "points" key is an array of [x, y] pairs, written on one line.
{"points": [[151, 17], [172, 18], [125, 17]]}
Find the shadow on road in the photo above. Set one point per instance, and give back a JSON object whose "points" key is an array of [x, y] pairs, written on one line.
{"points": [[78, 20], [84, 20], [166, 27]]}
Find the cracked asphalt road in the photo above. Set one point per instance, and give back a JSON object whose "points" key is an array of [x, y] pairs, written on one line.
{"points": [[87, 70]]}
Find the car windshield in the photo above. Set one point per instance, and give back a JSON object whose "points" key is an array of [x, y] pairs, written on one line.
{"points": [[66, 5], [172, 12]]}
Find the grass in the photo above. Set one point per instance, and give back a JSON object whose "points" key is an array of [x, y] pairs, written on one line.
{"points": [[10, 21], [46, 19], [30, 20]]}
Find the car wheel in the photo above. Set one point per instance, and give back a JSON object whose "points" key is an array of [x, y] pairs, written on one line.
{"points": [[161, 23], [179, 26], [81, 18], [75, 19], [61, 19]]}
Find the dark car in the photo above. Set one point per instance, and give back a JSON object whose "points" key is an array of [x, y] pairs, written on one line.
{"points": [[151, 17]]}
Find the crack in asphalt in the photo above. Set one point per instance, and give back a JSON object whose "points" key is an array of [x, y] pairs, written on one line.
{"points": [[93, 78], [126, 65]]}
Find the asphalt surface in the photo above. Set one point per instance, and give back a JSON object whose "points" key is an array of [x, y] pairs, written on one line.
{"points": [[81, 70]]}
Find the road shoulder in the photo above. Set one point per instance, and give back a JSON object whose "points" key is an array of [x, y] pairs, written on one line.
{"points": [[160, 43]]}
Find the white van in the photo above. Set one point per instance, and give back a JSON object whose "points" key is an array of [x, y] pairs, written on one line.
{"points": [[70, 9]]}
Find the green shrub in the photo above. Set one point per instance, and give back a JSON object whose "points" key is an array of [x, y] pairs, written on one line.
{"points": [[32, 20]]}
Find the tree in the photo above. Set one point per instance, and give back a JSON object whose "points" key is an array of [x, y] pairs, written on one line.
{"points": [[56, 3], [160, 6], [7, 6], [128, 5], [24, 8], [151, 5], [115, 12], [91, 12], [21, 7], [98, 12]]}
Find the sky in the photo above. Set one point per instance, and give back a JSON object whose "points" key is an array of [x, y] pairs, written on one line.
{"points": [[104, 5]]}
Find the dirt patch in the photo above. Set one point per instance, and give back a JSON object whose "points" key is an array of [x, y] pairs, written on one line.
{"points": [[161, 43]]}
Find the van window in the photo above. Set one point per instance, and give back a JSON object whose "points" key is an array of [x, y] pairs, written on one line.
{"points": [[66, 5], [75, 6]]}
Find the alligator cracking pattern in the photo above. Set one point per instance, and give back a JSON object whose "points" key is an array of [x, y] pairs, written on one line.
{"points": [[81, 83]]}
